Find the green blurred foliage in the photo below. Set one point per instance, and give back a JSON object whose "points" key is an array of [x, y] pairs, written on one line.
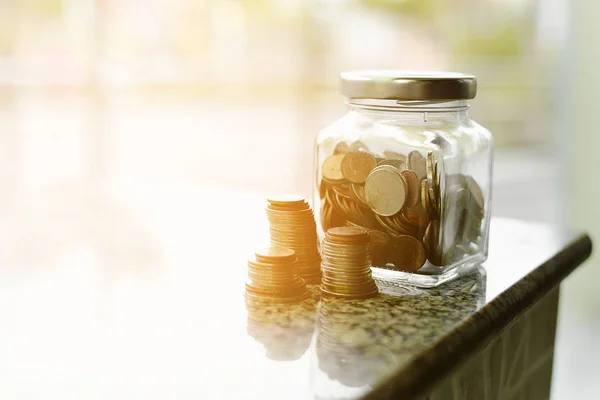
{"points": [[507, 41], [417, 8], [41, 7]]}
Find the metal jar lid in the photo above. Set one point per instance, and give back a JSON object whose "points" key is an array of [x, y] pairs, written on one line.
{"points": [[408, 85]]}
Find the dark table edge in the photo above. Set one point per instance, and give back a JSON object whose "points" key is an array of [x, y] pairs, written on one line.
{"points": [[419, 375]]}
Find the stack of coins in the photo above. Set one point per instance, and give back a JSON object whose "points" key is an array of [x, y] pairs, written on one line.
{"points": [[272, 277], [346, 264], [292, 225], [397, 195]]}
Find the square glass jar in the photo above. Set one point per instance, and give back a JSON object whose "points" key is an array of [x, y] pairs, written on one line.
{"points": [[407, 163]]}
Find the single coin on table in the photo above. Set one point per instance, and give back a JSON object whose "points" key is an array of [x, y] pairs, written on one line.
{"points": [[385, 190]]}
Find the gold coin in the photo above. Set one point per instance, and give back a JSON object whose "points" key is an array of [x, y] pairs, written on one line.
{"points": [[287, 200], [357, 165], [358, 146], [266, 299], [325, 214], [430, 166], [336, 218], [404, 224], [322, 189], [417, 217], [275, 254], [431, 242], [278, 290], [476, 192], [357, 191], [425, 202], [398, 164], [341, 148], [347, 233], [392, 155], [349, 289], [343, 189], [417, 163], [379, 249], [328, 293], [385, 190], [408, 253], [283, 212], [434, 192], [413, 188], [332, 168], [334, 275]]}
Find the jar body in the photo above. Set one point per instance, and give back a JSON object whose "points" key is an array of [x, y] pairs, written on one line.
{"points": [[418, 177]]}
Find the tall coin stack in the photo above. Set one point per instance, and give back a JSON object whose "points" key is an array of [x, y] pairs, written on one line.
{"points": [[346, 263], [293, 226], [272, 277]]}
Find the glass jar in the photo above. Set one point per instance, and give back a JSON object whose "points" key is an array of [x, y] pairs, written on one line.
{"points": [[408, 164]]}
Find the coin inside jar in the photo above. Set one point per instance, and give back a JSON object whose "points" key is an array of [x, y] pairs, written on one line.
{"points": [[392, 155], [385, 190], [413, 187], [408, 253], [399, 164], [357, 165], [341, 148], [417, 163], [380, 242], [431, 242], [332, 168], [476, 192]]}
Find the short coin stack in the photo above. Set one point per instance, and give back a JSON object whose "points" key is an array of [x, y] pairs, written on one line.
{"points": [[272, 277], [293, 226], [346, 264]]}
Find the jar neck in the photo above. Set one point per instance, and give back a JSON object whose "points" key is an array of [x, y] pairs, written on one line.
{"points": [[417, 106]]}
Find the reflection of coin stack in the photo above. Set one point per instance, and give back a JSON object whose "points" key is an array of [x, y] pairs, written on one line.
{"points": [[285, 330], [293, 226], [272, 277], [346, 349], [346, 264], [281, 343]]}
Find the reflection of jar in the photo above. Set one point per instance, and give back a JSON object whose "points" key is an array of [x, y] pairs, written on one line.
{"points": [[359, 343], [407, 163]]}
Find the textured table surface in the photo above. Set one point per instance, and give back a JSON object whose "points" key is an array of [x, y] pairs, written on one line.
{"points": [[141, 296]]}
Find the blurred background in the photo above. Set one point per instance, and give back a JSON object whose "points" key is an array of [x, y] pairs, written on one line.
{"points": [[229, 95]]}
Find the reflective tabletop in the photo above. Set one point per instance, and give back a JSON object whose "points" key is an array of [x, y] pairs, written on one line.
{"points": [[127, 294]]}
